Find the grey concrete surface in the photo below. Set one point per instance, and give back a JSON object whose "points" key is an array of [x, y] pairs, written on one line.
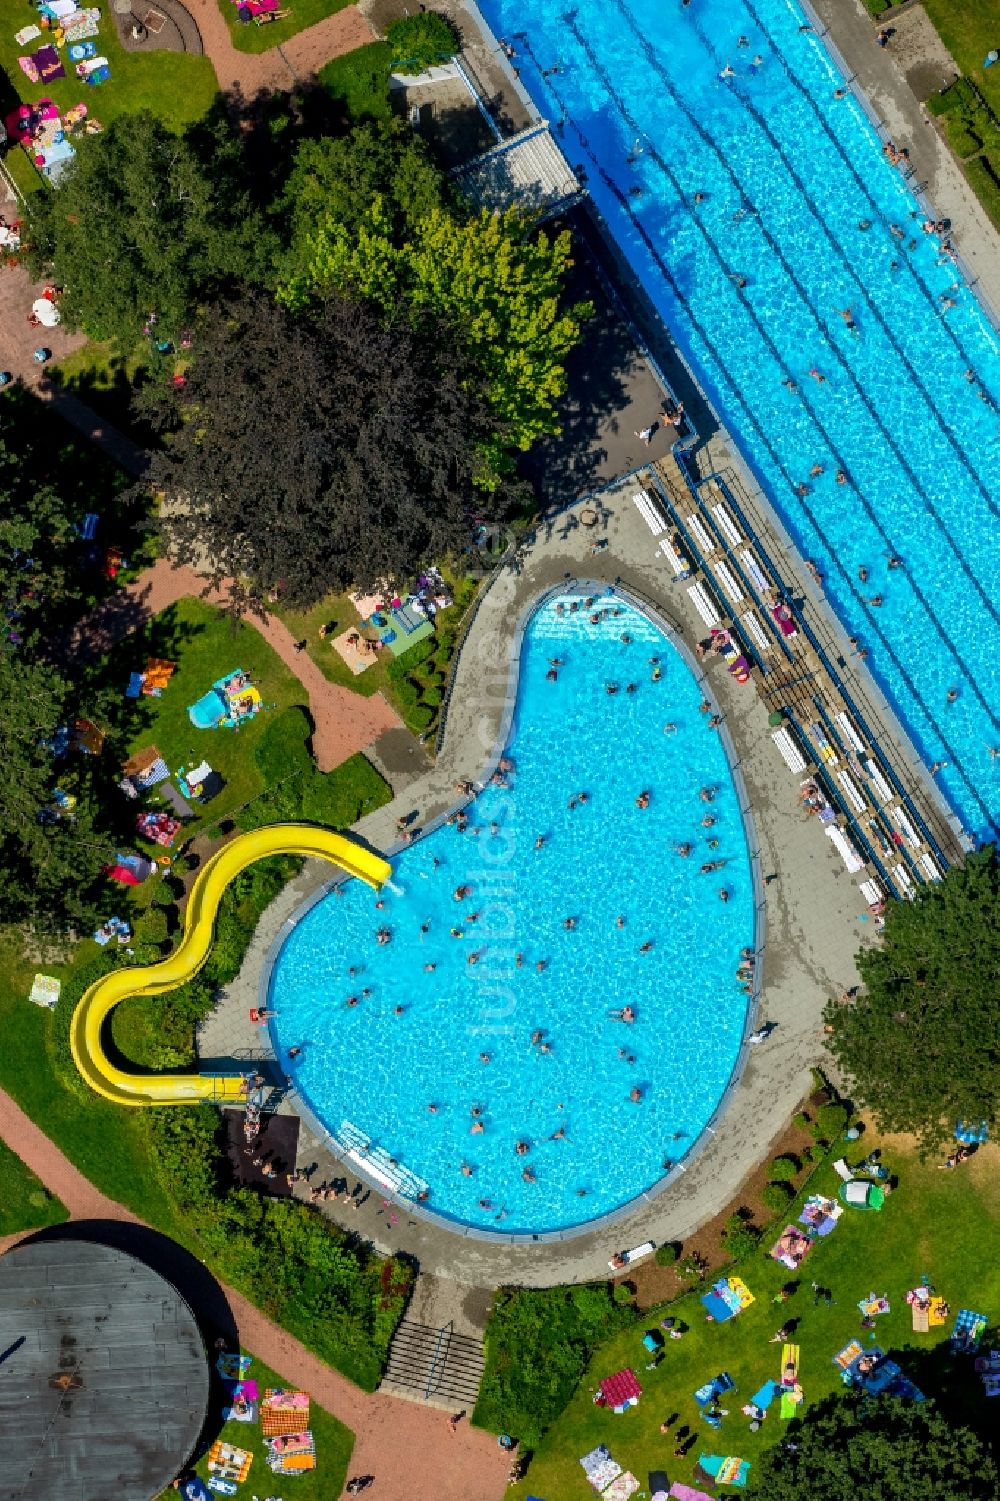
{"points": [[813, 923]]}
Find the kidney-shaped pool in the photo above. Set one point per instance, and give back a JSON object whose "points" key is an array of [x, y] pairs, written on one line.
{"points": [[464, 1033]]}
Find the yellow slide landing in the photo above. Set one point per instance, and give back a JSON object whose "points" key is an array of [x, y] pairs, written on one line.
{"points": [[188, 958]]}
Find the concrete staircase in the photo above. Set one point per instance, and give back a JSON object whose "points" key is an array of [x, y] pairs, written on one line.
{"points": [[435, 1366]]}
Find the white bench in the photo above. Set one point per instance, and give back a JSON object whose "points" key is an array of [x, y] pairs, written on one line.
{"points": [[760, 579], [790, 753], [649, 513], [929, 867], [702, 535], [878, 781], [729, 582], [680, 563], [756, 631], [904, 878], [727, 526], [847, 725], [702, 601], [844, 848], [850, 787]]}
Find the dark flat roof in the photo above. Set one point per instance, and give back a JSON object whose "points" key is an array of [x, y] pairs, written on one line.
{"points": [[104, 1379]]}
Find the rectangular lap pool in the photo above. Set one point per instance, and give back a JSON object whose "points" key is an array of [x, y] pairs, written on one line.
{"points": [[832, 331]]}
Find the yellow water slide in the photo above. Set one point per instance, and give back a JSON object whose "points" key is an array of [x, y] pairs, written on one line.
{"points": [[189, 956]]}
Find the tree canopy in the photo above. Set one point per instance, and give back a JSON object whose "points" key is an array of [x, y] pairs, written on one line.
{"points": [[920, 1045], [373, 224], [146, 222], [305, 454], [853, 1446]]}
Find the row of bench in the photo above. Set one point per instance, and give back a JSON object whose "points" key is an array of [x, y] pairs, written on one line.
{"points": [[702, 538]]}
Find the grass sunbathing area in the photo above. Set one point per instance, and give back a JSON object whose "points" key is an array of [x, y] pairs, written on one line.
{"points": [[937, 1224], [175, 86], [25, 1202], [204, 644], [298, 14], [333, 1441]]}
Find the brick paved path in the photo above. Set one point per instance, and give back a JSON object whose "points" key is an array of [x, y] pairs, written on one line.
{"points": [[279, 67], [408, 1448], [344, 722]]}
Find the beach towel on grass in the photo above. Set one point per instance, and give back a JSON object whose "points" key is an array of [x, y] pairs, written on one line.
{"points": [[81, 25]]}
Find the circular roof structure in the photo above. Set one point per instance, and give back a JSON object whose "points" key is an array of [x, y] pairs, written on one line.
{"points": [[104, 1379]]}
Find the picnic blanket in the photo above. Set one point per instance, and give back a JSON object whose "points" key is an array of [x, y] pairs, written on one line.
{"points": [[968, 1331], [82, 24], [241, 1404], [725, 1469], [45, 991], [229, 1462], [820, 1215], [620, 1388], [291, 1453], [727, 1297], [791, 1248], [232, 1367], [619, 1490], [283, 1411], [874, 1304]]}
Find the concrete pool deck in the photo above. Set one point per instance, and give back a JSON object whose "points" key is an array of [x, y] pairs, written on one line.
{"points": [[813, 926]]}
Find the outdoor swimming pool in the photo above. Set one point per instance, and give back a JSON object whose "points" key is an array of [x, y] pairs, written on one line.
{"points": [[800, 202], [602, 859]]}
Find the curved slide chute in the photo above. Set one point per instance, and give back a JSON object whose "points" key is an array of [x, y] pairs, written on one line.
{"points": [[189, 956]]}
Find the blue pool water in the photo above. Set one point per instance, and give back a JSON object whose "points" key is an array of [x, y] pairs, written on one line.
{"points": [[640, 79], [380, 1071]]}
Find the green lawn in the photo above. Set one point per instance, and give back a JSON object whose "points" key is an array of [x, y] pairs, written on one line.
{"points": [[969, 29], [360, 81], [405, 680], [301, 13], [334, 1444], [175, 86], [25, 1202], [940, 1224], [106, 382], [205, 644], [105, 1142]]}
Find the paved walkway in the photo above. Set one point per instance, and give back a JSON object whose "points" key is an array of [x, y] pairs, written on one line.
{"points": [[344, 722], [408, 1448], [298, 59], [815, 919]]}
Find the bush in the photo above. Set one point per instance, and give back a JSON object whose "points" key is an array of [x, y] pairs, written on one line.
{"points": [[782, 1170], [801, 1120], [340, 797], [538, 1344], [777, 1196], [433, 696], [343, 1301], [667, 1254], [623, 1292], [830, 1121], [963, 141], [985, 183], [960, 97], [152, 928], [420, 41], [281, 750], [420, 718], [739, 1238], [693, 1267]]}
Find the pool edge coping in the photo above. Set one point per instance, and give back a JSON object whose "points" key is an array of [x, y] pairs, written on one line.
{"points": [[461, 1230]]}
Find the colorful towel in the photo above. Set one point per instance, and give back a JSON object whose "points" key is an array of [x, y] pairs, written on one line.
{"points": [[82, 24], [26, 34], [283, 1411], [233, 1367], [49, 64]]}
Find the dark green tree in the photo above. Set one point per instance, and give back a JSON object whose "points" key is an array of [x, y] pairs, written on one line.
{"points": [[852, 1446], [50, 866], [143, 223], [920, 1047], [309, 454]]}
